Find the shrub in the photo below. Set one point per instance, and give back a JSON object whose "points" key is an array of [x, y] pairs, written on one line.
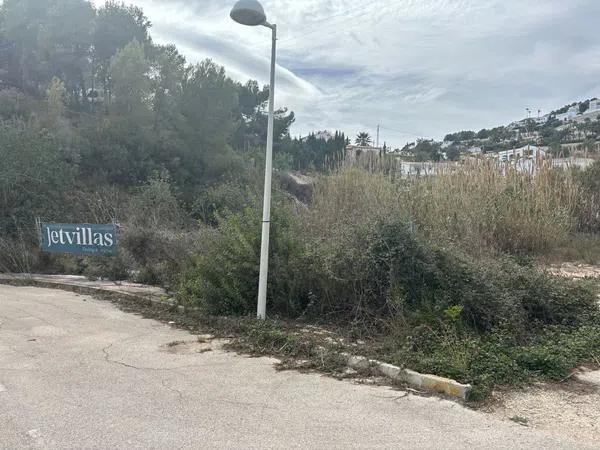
{"points": [[498, 357], [455, 305], [158, 256], [388, 273], [155, 206], [231, 196], [223, 279], [157, 238], [17, 254], [35, 175], [114, 268]]}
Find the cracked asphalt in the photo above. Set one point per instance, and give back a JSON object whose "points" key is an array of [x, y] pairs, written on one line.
{"points": [[78, 373]]}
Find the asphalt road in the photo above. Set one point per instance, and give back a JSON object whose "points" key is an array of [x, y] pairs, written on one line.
{"points": [[78, 373]]}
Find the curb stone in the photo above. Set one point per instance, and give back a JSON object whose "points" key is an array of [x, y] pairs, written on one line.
{"points": [[414, 379]]}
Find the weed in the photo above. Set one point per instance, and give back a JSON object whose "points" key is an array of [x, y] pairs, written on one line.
{"points": [[520, 420]]}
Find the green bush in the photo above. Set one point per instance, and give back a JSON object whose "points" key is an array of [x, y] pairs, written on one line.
{"points": [[157, 237], [35, 177], [158, 256], [387, 272], [379, 273], [497, 357], [231, 196], [223, 279], [114, 268]]}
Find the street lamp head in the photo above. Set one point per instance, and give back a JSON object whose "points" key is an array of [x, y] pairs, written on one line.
{"points": [[249, 12]]}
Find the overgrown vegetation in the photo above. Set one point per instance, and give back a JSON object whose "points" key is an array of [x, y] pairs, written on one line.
{"points": [[446, 293]]}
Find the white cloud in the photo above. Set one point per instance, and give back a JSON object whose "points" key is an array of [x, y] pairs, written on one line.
{"points": [[418, 67]]}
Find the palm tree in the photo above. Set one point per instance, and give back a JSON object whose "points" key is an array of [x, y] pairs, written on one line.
{"points": [[363, 139]]}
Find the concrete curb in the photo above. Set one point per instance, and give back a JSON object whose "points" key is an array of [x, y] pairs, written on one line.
{"points": [[414, 379], [85, 290], [432, 383]]}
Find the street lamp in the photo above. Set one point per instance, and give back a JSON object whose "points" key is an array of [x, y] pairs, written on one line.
{"points": [[251, 13]]}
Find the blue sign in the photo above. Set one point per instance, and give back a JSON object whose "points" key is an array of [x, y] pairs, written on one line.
{"points": [[79, 239]]}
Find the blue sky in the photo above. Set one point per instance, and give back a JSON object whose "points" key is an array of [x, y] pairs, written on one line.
{"points": [[419, 68]]}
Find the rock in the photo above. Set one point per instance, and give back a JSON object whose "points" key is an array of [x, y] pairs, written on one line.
{"points": [[589, 376], [300, 186]]}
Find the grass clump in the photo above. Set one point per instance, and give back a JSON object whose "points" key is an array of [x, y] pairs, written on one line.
{"points": [[496, 358]]}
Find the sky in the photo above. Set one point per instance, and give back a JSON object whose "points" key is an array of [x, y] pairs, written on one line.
{"points": [[417, 68]]}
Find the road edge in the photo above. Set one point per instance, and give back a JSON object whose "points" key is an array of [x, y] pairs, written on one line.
{"points": [[427, 382]]}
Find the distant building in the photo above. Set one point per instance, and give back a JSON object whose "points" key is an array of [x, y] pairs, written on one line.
{"points": [[569, 115], [475, 150], [542, 119], [529, 136], [325, 135], [588, 114], [354, 152], [566, 163], [524, 122], [420, 168], [572, 147], [531, 152], [525, 159]]}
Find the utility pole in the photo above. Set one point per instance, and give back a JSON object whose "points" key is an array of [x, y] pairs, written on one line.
{"points": [[527, 128], [377, 136]]}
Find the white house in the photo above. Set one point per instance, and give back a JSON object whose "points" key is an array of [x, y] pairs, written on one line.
{"points": [[354, 152], [475, 150], [325, 135], [570, 114], [566, 163], [526, 152]]}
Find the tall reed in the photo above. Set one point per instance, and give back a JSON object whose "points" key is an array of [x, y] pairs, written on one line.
{"points": [[483, 205]]}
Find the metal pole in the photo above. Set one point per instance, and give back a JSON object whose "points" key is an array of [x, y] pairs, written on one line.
{"points": [[261, 310]]}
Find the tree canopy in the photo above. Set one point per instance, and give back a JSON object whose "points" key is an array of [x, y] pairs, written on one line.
{"points": [[88, 100], [363, 139]]}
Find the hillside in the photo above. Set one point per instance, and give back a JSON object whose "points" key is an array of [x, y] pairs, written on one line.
{"points": [[572, 130], [565, 131]]}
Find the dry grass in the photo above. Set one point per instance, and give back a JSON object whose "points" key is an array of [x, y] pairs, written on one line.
{"points": [[353, 196], [484, 205], [488, 206]]}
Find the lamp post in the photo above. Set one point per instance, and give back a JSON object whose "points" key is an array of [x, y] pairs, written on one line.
{"points": [[251, 13]]}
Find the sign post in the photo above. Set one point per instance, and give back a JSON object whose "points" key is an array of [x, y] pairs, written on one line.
{"points": [[79, 239]]}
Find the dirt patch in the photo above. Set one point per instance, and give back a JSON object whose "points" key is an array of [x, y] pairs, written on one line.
{"points": [[569, 409], [575, 271], [187, 347]]}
